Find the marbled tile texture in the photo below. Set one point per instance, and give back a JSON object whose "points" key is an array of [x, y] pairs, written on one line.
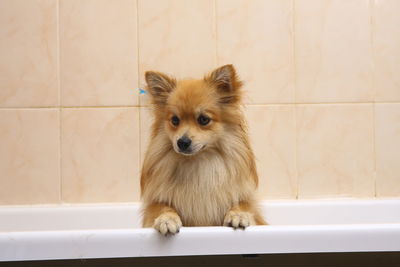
{"points": [[333, 51], [335, 150], [29, 156], [272, 130], [177, 37], [321, 81], [387, 140], [100, 160], [98, 51], [28, 53], [256, 36]]}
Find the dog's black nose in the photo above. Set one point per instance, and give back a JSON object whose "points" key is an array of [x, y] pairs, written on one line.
{"points": [[184, 143]]}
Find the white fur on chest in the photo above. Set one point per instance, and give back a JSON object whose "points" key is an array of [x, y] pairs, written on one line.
{"points": [[203, 192], [203, 189]]}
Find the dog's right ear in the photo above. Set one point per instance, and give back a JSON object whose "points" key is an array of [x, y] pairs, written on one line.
{"points": [[159, 86]]}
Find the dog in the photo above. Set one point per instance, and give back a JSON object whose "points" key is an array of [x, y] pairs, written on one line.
{"points": [[199, 168]]}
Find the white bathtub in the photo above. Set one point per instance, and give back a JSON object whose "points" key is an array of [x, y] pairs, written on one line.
{"points": [[113, 230]]}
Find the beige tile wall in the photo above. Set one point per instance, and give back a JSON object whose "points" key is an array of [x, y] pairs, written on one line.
{"points": [[322, 81]]}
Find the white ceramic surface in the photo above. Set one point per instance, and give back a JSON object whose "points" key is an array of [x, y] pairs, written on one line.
{"points": [[112, 230]]}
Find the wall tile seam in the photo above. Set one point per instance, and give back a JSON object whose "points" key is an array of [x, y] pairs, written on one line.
{"points": [[295, 98], [138, 86], [59, 102], [373, 66], [149, 105]]}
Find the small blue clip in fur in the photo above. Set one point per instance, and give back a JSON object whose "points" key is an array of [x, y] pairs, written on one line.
{"points": [[141, 91]]}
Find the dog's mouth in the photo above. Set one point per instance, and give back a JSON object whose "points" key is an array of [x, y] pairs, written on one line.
{"points": [[191, 151]]}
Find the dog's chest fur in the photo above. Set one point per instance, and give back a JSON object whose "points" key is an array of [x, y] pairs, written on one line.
{"points": [[202, 189], [203, 192]]}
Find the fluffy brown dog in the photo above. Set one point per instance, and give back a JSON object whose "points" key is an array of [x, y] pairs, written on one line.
{"points": [[199, 168]]}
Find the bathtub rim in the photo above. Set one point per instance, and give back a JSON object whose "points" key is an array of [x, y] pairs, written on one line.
{"points": [[146, 242]]}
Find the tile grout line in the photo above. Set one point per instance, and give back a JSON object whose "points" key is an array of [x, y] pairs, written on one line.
{"points": [[296, 152], [254, 105], [140, 138], [371, 20], [216, 61], [137, 51], [374, 146], [294, 51], [59, 99], [138, 84], [320, 103], [75, 107], [295, 98]]}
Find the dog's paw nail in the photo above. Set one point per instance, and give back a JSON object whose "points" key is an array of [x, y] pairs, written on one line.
{"points": [[238, 219], [168, 224]]}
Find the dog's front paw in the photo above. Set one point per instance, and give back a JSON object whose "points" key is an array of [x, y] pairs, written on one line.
{"points": [[168, 223], [239, 219]]}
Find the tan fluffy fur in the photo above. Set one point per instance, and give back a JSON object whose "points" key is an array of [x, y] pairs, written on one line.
{"points": [[214, 186]]}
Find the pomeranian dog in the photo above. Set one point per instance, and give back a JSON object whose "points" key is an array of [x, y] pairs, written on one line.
{"points": [[199, 169]]}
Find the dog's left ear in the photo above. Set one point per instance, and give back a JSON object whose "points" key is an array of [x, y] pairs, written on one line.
{"points": [[227, 83]]}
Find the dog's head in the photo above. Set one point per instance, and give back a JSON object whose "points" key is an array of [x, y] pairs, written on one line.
{"points": [[195, 113]]}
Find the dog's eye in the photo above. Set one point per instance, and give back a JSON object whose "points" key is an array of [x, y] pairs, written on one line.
{"points": [[203, 120], [175, 120]]}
